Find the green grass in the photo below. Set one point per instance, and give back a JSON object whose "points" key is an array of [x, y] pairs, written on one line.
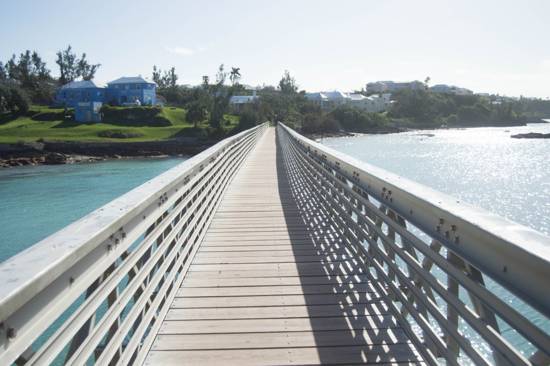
{"points": [[33, 127]]}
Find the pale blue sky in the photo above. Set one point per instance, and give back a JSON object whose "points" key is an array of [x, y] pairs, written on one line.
{"points": [[487, 46]]}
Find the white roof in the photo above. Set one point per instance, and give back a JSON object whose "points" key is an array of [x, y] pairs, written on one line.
{"points": [[242, 99], [316, 96], [357, 97], [335, 95]]}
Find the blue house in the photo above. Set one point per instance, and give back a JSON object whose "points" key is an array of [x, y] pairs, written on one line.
{"points": [[69, 95], [130, 90], [87, 98]]}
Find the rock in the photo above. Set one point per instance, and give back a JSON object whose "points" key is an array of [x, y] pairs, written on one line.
{"points": [[55, 158], [531, 135]]}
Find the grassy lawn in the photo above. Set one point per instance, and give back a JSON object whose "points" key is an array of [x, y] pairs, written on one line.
{"points": [[48, 124]]}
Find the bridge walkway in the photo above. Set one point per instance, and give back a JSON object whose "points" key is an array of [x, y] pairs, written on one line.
{"points": [[272, 283]]}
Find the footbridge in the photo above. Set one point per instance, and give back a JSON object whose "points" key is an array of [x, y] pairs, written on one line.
{"points": [[271, 249]]}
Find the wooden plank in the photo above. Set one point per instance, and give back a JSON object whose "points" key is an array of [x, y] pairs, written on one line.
{"points": [[272, 290], [271, 259], [275, 253], [274, 300], [289, 243], [278, 340], [274, 312], [196, 280], [224, 247], [280, 273], [276, 325], [307, 268], [399, 354]]}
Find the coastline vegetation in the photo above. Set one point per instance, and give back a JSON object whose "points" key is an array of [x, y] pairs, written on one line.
{"points": [[49, 124], [204, 111]]}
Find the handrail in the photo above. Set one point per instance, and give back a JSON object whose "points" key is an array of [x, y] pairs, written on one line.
{"points": [[110, 266], [434, 238]]}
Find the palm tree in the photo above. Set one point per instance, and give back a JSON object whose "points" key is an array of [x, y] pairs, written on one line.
{"points": [[235, 75]]}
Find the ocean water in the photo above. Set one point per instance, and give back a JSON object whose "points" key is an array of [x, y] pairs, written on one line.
{"points": [[481, 166], [36, 201]]}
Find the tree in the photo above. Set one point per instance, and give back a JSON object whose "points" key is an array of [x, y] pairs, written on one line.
{"points": [[28, 70], [235, 75], [427, 81], [287, 84], [205, 81], [13, 99], [30, 73], [3, 73], [166, 79], [71, 67], [221, 75], [157, 76], [220, 98], [85, 70], [197, 113], [171, 77]]}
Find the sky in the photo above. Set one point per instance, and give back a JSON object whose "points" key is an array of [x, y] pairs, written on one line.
{"points": [[487, 46]]}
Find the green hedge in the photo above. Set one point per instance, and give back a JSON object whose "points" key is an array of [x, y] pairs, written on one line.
{"points": [[114, 134], [134, 116]]}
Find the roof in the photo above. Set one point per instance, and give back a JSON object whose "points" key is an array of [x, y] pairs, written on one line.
{"points": [[130, 80], [335, 95], [82, 84], [357, 97], [316, 96], [242, 99]]}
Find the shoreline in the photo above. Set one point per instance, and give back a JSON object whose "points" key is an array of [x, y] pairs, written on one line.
{"points": [[388, 130], [63, 152], [58, 153]]}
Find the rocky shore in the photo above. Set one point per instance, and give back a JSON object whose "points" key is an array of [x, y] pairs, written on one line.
{"points": [[531, 135], [52, 153]]}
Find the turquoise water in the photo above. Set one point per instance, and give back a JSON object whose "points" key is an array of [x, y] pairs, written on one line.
{"points": [[482, 166], [36, 201]]}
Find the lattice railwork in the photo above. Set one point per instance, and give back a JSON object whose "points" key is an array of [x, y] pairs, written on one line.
{"points": [[429, 283]]}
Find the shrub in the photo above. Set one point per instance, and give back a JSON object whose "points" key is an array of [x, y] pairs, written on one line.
{"points": [[134, 116], [249, 118], [354, 119], [474, 114], [114, 134], [48, 116], [13, 99]]}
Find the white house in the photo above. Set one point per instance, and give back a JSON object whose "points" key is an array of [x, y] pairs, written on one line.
{"points": [[239, 101], [332, 99], [450, 89], [389, 86]]}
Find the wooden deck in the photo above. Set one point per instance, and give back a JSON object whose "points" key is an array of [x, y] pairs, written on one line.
{"points": [[271, 284]]}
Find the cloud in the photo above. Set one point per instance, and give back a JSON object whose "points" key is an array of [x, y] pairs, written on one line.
{"points": [[182, 51]]}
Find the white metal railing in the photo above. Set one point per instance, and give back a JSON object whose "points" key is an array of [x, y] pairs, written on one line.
{"points": [[456, 276], [97, 290]]}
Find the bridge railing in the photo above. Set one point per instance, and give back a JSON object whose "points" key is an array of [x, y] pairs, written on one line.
{"points": [[97, 290], [456, 276]]}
